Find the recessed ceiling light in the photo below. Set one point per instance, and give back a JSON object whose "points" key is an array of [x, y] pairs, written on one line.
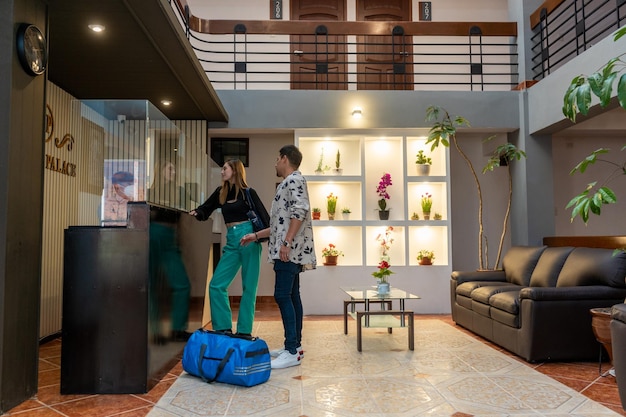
{"points": [[97, 28], [166, 102]]}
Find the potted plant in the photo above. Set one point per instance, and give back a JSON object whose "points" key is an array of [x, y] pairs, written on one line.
{"points": [[438, 216], [427, 204], [578, 99], [316, 213], [345, 213], [381, 189], [338, 170], [443, 132], [425, 257], [382, 274], [331, 206], [321, 168], [423, 163], [415, 216], [331, 254]]}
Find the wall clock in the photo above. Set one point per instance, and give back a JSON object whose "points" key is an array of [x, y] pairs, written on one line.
{"points": [[32, 49]]}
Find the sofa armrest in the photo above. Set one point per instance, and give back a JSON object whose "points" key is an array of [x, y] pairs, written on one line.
{"points": [[618, 312], [588, 292], [466, 276]]}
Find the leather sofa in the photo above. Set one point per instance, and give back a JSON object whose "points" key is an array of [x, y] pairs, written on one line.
{"points": [[538, 305], [618, 340]]}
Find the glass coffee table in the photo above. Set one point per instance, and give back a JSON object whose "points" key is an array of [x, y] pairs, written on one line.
{"points": [[385, 317]]}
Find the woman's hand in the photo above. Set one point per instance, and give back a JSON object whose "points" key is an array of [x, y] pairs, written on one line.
{"points": [[247, 238]]}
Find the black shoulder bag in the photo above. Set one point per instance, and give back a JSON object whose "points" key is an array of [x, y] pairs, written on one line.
{"points": [[255, 219]]}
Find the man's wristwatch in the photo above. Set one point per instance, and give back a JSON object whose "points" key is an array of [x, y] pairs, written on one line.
{"points": [[286, 244]]}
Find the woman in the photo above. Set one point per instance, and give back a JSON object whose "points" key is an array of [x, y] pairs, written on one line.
{"points": [[230, 197]]}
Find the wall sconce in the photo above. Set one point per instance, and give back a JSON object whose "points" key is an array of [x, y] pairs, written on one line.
{"points": [[357, 112]]}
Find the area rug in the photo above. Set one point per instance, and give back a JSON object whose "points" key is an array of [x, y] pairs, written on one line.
{"points": [[448, 374]]}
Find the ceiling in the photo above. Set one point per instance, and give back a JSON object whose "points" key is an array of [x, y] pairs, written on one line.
{"points": [[143, 54]]}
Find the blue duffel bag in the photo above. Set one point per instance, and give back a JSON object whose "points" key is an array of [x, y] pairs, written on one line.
{"points": [[227, 358]]}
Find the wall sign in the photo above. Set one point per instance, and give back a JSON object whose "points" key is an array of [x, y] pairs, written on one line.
{"points": [[276, 9], [425, 11]]}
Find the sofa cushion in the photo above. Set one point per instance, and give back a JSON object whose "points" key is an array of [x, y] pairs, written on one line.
{"points": [[549, 266], [506, 301], [519, 262], [593, 266], [466, 288], [484, 294]]}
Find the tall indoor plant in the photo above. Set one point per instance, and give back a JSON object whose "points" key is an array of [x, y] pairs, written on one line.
{"points": [[442, 132]]}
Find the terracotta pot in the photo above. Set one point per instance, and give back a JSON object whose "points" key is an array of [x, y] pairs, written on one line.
{"points": [[316, 215], [330, 260], [600, 324], [426, 261]]}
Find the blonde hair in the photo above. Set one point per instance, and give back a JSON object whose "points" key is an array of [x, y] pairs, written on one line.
{"points": [[239, 179]]}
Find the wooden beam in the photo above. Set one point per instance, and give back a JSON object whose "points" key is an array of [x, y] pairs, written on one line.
{"points": [[285, 27], [607, 242]]}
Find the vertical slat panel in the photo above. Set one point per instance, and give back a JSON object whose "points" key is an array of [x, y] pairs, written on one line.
{"points": [[77, 200]]}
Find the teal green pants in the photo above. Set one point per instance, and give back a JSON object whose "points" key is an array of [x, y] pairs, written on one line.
{"points": [[234, 257], [166, 266]]}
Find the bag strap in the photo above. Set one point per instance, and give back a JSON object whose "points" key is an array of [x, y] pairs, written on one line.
{"points": [[220, 367], [249, 200]]}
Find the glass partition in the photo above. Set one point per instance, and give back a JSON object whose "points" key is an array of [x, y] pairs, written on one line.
{"points": [[133, 152]]}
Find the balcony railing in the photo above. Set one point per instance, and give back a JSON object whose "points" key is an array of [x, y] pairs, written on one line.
{"points": [[331, 55], [566, 28]]}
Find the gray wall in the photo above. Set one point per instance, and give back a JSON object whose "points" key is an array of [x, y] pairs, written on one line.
{"points": [[21, 189]]}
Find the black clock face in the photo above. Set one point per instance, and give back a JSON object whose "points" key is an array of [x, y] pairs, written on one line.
{"points": [[31, 48]]}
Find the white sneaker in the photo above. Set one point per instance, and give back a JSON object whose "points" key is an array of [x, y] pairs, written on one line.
{"points": [[276, 352], [285, 360]]}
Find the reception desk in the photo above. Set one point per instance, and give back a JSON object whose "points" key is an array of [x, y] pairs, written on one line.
{"points": [[115, 316]]}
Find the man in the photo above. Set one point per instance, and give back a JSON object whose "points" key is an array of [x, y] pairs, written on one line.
{"points": [[291, 250]]}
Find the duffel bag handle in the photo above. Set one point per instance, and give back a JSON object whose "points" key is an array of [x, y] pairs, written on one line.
{"points": [[220, 367]]}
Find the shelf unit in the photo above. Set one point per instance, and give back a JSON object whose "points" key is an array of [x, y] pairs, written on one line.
{"points": [[364, 159]]}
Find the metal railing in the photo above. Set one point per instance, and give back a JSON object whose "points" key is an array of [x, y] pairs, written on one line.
{"points": [[563, 30], [275, 55]]}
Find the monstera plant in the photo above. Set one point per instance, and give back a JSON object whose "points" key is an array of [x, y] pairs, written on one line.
{"points": [[578, 99]]}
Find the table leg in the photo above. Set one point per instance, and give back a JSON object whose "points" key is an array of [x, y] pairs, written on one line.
{"points": [[358, 330], [345, 317], [411, 331]]}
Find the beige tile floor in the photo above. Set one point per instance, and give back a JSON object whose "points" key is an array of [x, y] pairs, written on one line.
{"points": [[428, 372], [450, 373]]}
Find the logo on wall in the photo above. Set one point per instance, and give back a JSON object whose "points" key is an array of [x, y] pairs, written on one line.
{"points": [[53, 163]]}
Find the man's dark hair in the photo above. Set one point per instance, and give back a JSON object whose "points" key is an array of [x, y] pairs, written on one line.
{"points": [[293, 154]]}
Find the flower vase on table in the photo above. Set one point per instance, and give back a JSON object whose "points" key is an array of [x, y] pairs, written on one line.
{"points": [[383, 288], [382, 274]]}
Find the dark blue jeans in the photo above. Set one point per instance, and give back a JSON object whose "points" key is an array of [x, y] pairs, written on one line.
{"points": [[287, 296]]}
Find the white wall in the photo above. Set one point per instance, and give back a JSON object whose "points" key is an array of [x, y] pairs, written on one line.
{"points": [[569, 148]]}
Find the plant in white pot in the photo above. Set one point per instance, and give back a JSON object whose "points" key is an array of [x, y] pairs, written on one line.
{"points": [[338, 170], [423, 163]]}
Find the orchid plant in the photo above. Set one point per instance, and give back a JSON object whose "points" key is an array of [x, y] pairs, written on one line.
{"points": [[386, 240], [385, 181]]}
